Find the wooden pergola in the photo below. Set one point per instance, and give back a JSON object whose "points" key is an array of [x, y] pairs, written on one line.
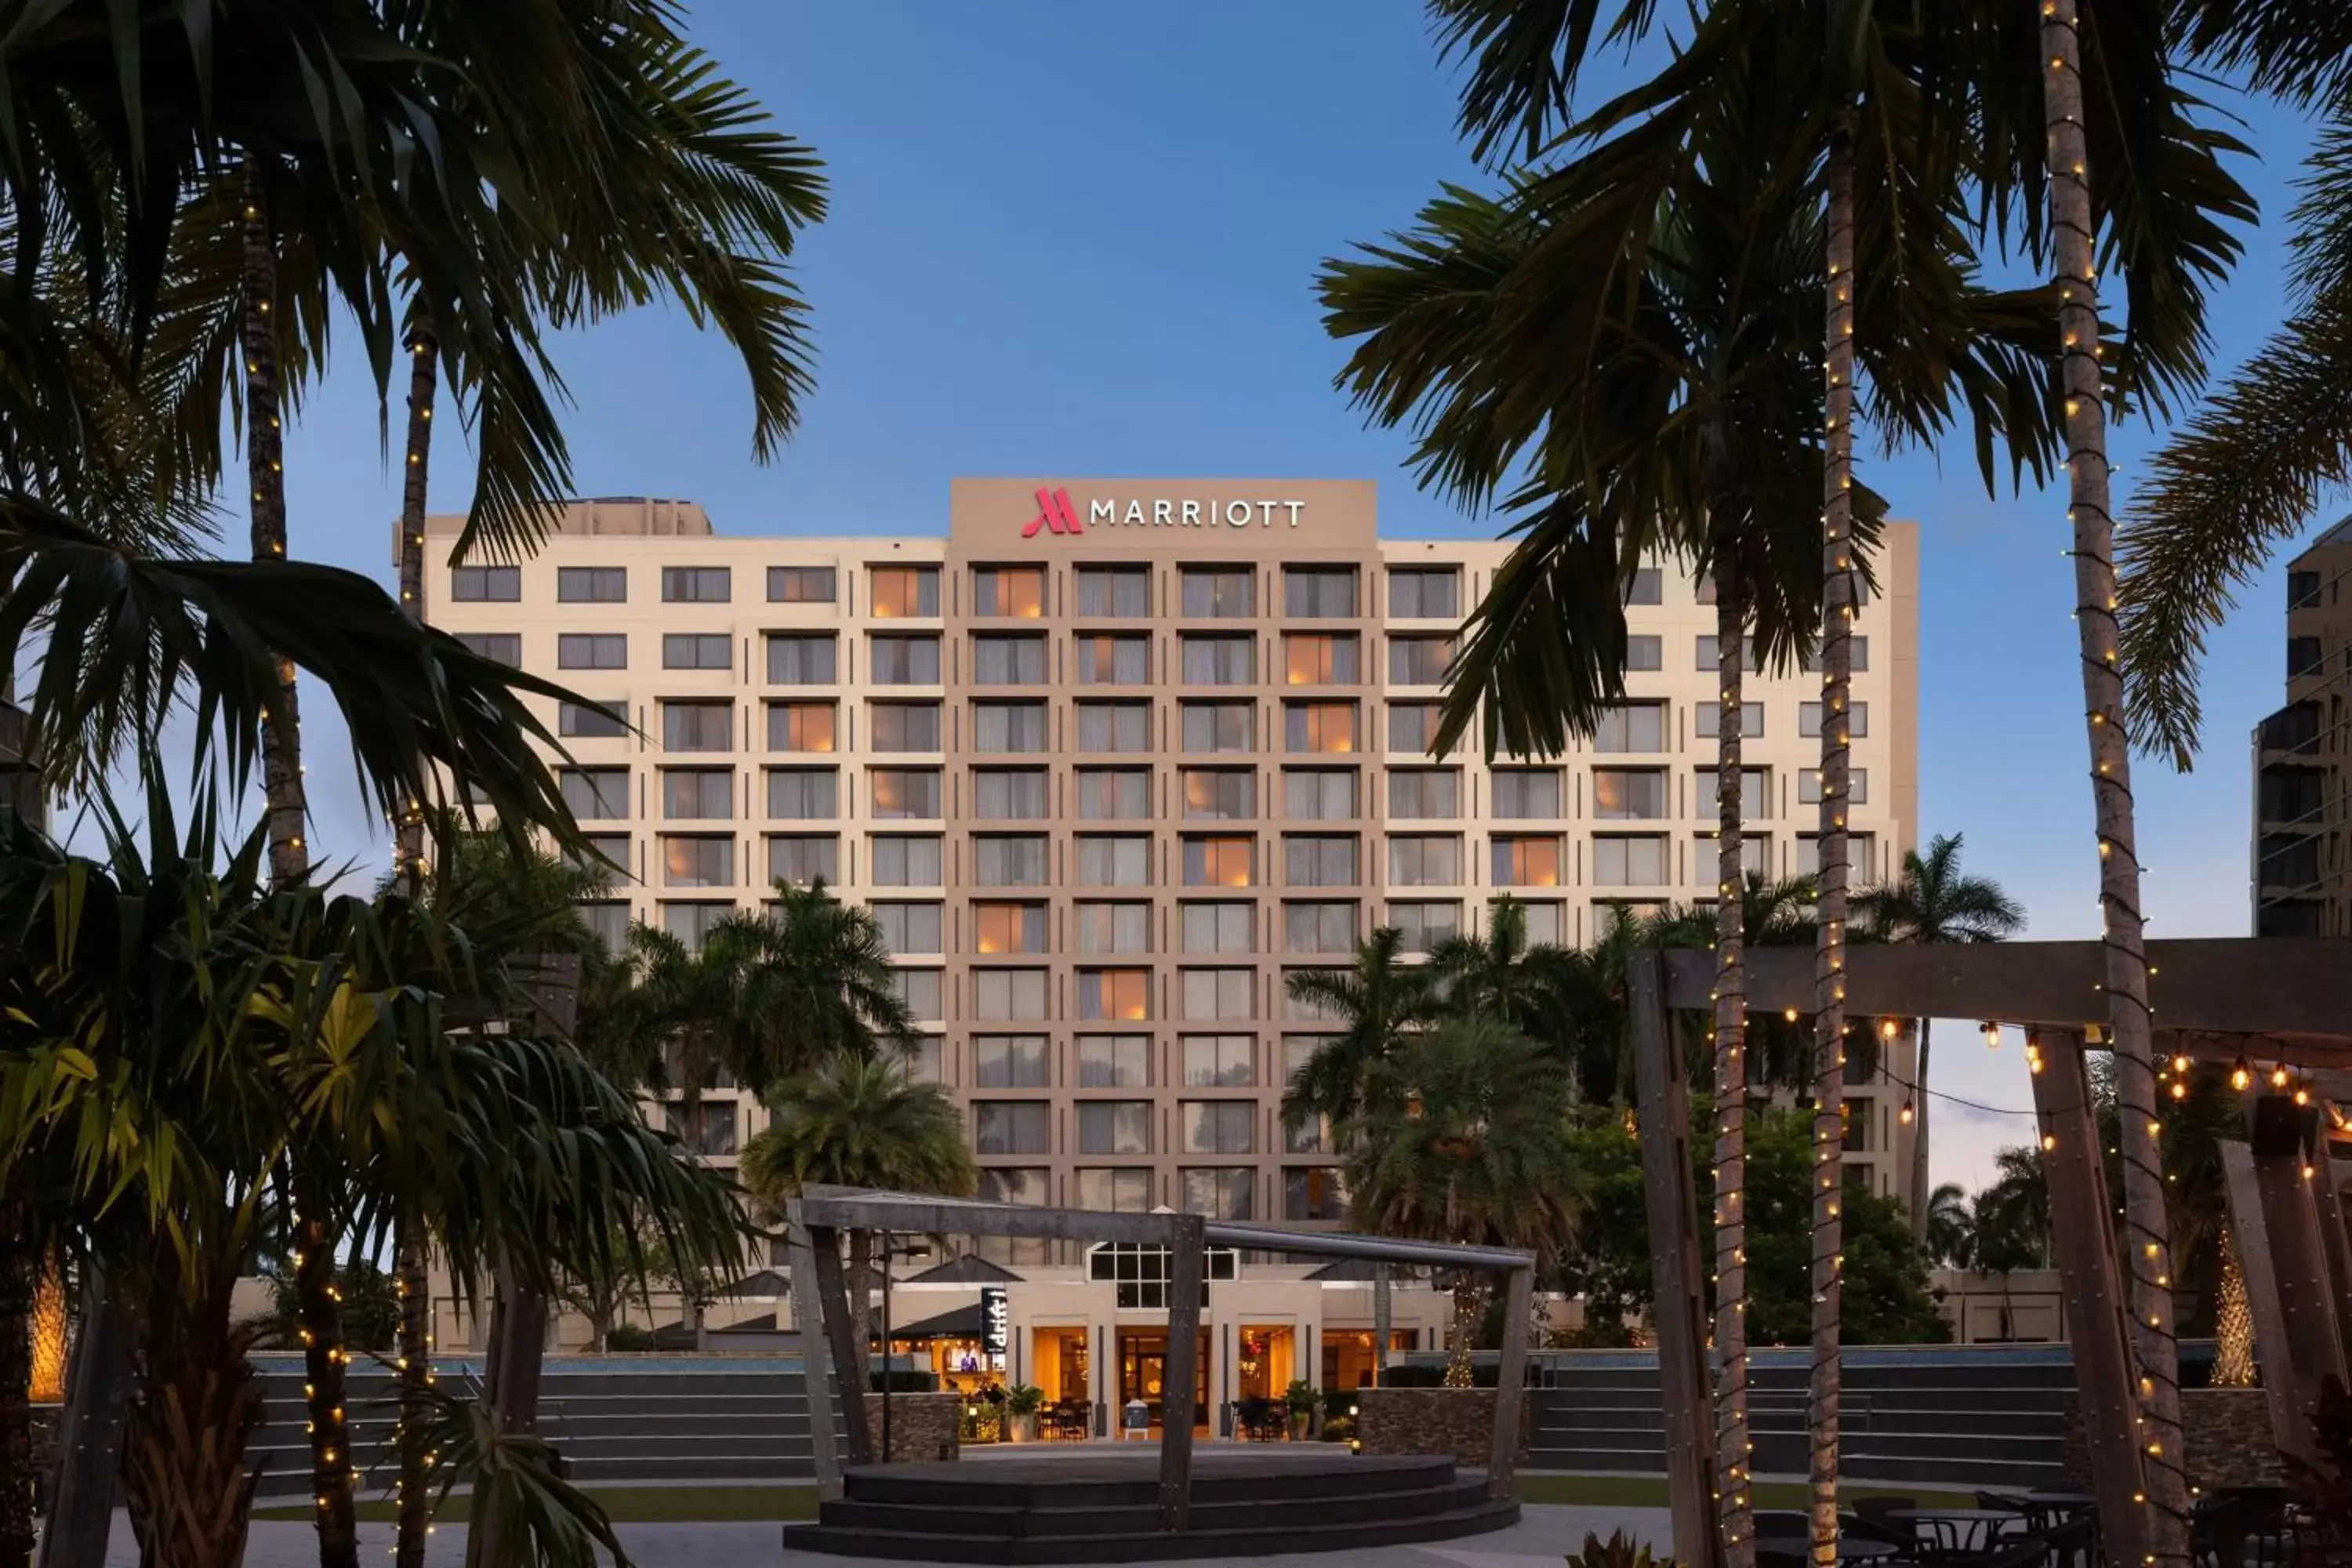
{"points": [[2259, 1000], [818, 1216]]}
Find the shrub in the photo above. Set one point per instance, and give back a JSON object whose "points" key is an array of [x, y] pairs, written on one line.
{"points": [[1024, 1399], [1302, 1398], [1617, 1552], [629, 1337], [904, 1380], [1339, 1429]]}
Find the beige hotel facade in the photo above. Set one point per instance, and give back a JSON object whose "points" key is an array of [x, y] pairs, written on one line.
{"points": [[1112, 759]]}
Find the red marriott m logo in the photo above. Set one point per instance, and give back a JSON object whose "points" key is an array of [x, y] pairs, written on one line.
{"points": [[1055, 515]]}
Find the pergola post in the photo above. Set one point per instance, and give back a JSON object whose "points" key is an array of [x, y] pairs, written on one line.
{"points": [[2329, 1203], [1677, 1288], [817, 1356], [2289, 1431], [840, 1339], [2306, 1294], [1182, 1374], [1510, 1382], [2084, 1242]]}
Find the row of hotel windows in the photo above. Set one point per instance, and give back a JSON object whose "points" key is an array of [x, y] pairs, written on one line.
{"points": [[1098, 658], [1202, 727]]}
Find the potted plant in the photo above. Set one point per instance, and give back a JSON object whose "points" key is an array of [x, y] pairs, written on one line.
{"points": [[1303, 1398], [1021, 1403]]}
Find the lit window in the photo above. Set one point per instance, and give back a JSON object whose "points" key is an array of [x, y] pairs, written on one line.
{"points": [[1221, 793], [1123, 994], [1321, 658], [1526, 862], [1214, 862], [800, 727], [1319, 726], [904, 591], [1008, 928], [1619, 794]]}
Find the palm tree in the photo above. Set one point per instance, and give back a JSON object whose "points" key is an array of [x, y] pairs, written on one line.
{"points": [[860, 1123], [1497, 974], [1929, 902], [1376, 1002], [1949, 1224]]}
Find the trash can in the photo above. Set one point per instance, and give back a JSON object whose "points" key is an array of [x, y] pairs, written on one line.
{"points": [[1135, 1418]]}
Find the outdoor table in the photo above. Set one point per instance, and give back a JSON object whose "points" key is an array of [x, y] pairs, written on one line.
{"points": [[2045, 1496], [1853, 1549], [1955, 1532]]}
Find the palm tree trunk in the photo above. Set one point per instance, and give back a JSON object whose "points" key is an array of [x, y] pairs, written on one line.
{"points": [[1467, 1308], [1920, 1193], [320, 1312], [858, 1277], [50, 1332], [281, 739], [1829, 945], [183, 1448], [2148, 1247], [415, 1364], [1734, 1511], [19, 1265], [423, 374]]}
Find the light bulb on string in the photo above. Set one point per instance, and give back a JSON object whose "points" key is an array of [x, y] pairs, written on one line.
{"points": [[1991, 1035], [2241, 1076]]}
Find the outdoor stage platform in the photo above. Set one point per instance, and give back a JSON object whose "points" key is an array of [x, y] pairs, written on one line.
{"points": [[1101, 1505]]}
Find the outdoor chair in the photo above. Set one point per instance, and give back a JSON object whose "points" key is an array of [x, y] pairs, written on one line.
{"points": [[1871, 1524], [2074, 1544]]}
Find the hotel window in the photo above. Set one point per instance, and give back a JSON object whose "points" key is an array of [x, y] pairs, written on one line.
{"points": [[1522, 793], [1319, 795], [1298, 1050], [1710, 654], [1419, 661], [2303, 590], [1541, 918], [590, 721], [1114, 860], [1010, 1127], [1219, 994], [1645, 653], [1313, 1193], [1011, 1061], [1706, 721], [923, 1063], [1857, 653], [1631, 727], [1219, 928], [1121, 593], [1857, 786], [1221, 794], [697, 650], [1318, 927], [503, 648], [495, 584], [1219, 862], [691, 923], [1008, 928], [800, 727], [1629, 862], [902, 660], [1755, 854], [1220, 1061], [903, 726], [1218, 727], [596, 795], [1008, 859], [901, 592], [608, 923], [1017, 1186], [1114, 726], [1120, 930], [1809, 719], [998, 659], [1424, 593], [1122, 993], [1861, 856], [1526, 861], [1647, 586], [708, 1127], [691, 792], [1219, 592], [801, 585], [901, 793], [1319, 860], [698, 861], [1426, 923], [591, 584], [697, 726], [1624, 795], [1008, 727], [1008, 993], [1424, 860], [1104, 659], [607, 855], [1110, 1191], [1754, 793], [1114, 795], [591, 650], [909, 928], [801, 859], [1014, 592], [1322, 658], [1319, 592], [1008, 794], [1424, 791], [1310, 1008], [909, 860], [1114, 1127], [1413, 726], [1114, 1061], [1318, 726], [1221, 1192], [696, 585], [1220, 660]]}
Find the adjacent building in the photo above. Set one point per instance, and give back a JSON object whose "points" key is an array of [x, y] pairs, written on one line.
{"points": [[1113, 759], [2302, 854]]}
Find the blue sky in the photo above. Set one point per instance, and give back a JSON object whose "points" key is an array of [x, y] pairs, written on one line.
{"points": [[1080, 239]]}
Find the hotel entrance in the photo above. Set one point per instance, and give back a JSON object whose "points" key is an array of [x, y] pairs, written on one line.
{"points": [[1143, 1372], [1266, 1362]]}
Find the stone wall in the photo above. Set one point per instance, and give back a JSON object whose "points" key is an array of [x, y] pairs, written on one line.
{"points": [[2228, 1431], [1456, 1421], [923, 1426]]}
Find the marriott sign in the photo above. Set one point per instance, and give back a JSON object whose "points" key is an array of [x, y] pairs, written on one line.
{"points": [[1056, 514]]}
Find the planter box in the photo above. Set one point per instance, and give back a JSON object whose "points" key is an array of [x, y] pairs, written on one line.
{"points": [[923, 1426], [2228, 1434], [1455, 1421]]}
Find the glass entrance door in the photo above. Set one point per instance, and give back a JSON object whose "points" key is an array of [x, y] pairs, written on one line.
{"points": [[1143, 1371]]}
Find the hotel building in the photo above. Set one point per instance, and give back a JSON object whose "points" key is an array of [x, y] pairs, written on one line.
{"points": [[2302, 780], [1113, 759]]}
